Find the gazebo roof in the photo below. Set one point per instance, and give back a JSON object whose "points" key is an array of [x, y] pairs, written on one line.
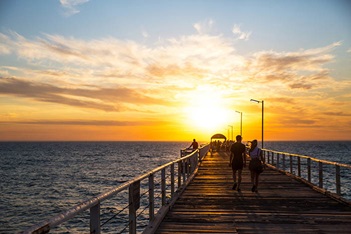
{"points": [[218, 136]]}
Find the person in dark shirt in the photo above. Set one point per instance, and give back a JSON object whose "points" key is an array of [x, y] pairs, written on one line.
{"points": [[194, 145], [237, 161]]}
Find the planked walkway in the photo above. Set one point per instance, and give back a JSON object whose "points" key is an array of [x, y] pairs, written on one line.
{"points": [[281, 205]]}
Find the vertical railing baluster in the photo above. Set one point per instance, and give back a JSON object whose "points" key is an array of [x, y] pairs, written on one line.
{"points": [[172, 180], [184, 170], [278, 161], [272, 158], [132, 211], [298, 166], [151, 197], [320, 167], [291, 163], [309, 170], [179, 174], [163, 186], [337, 180], [283, 162], [188, 168], [95, 219]]}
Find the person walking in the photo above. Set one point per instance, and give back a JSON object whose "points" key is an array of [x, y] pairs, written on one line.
{"points": [[256, 164], [237, 161]]}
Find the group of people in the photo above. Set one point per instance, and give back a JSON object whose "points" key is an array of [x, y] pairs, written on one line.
{"points": [[238, 162]]}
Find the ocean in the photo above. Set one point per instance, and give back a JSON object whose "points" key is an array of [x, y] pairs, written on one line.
{"points": [[41, 179]]}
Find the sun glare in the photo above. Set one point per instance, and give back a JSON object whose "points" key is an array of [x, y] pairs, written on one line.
{"points": [[207, 111]]}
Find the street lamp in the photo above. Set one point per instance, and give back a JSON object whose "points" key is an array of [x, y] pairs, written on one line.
{"points": [[241, 122], [232, 131], [257, 101]]}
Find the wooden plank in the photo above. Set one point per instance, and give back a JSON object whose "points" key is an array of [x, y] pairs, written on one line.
{"points": [[282, 205]]}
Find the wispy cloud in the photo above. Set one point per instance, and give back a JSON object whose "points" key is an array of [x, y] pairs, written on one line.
{"points": [[107, 99], [70, 6], [204, 27], [240, 34], [84, 122]]}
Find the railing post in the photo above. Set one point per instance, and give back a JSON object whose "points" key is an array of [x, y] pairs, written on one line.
{"points": [[132, 212], [320, 174], [299, 167], [291, 164], [179, 174], [337, 180], [151, 198], [309, 170], [188, 168], [272, 158], [277, 166], [184, 170], [172, 180], [283, 162], [95, 219], [163, 186]]}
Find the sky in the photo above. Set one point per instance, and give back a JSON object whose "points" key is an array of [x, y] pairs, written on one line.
{"points": [[161, 70]]}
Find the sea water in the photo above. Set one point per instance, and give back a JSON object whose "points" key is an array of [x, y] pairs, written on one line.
{"points": [[41, 179]]}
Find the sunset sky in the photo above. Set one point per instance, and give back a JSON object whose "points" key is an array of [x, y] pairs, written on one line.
{"points": [[174, 70]]}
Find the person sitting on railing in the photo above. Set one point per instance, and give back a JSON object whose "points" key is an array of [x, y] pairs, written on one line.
{"points": [[256, 165], [194, 145]]}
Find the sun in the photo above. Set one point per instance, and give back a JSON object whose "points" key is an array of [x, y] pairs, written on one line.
{"points": [[208, 111]]}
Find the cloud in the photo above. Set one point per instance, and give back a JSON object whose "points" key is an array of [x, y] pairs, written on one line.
{"points": [[84, 122], [240, 34], [114, 75], [338, 113], [95, 98], [303, 69], [204, 27], [70, 6]]}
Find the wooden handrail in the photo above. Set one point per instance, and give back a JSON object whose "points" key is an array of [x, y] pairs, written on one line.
{"points": [[190, 164], [273, 158]]}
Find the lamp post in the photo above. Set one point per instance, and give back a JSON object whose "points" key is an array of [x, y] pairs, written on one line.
{"points": [[262, 101], [232, 131], [241, 122]]}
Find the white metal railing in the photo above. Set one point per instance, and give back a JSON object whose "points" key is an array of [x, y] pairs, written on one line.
{"points": [[173, 178], [310, 170]]}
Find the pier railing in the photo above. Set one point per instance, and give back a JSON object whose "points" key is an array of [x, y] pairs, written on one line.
{"points": [[143, 203], [323, 175]]}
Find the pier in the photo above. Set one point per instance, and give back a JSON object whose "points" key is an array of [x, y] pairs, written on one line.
{"points": [[281, 205], [193, 194]]}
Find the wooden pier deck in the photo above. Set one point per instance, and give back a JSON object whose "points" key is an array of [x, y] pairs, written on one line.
{"points": [[281, 205]]}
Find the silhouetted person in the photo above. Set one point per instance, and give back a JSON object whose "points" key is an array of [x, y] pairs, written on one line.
{"points": [[237, 160], [256, 164], [194, 145]]}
